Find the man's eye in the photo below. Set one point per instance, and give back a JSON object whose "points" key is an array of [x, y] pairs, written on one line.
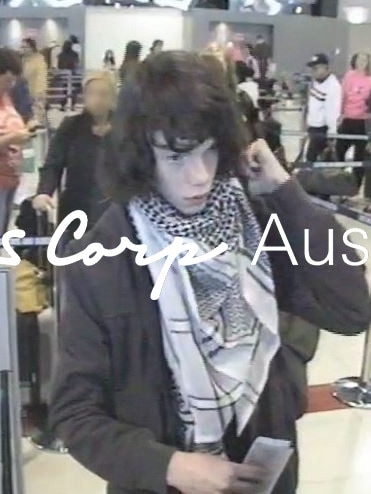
{"points": [[175, 157]]}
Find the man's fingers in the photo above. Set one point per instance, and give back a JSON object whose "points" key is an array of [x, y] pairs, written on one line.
{"points": [[259, 152], [245, 487], [249, 472], [50, 202]]}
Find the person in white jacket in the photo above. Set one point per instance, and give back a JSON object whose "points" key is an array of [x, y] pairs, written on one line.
{"points": [[324, 107], [245, 78]]}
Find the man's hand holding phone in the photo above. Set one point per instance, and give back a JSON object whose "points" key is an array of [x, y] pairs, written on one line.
{"points": [[197, 473]]}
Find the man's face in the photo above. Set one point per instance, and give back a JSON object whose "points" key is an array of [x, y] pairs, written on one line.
{"points": [[185, 179], [320, 71], [98, 98], [7, 82], [158, 48]]}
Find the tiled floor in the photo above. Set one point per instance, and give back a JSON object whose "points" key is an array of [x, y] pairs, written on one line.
{"points": [[335, 453], [335, 446]]}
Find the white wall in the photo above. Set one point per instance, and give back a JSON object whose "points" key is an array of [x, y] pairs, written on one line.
{"points": [[359, 39], [294, 41], [110, 28], [355, 10], [44, 31]]}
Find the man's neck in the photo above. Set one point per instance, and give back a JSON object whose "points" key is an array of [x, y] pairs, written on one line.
{"points": [[100, 120], [322, 79]]}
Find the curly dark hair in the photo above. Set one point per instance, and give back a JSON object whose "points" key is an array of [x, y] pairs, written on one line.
{"points": [[177, 93], [10, 61]]}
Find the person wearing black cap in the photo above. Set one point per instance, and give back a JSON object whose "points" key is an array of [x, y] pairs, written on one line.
{"points": [[324, 106]]}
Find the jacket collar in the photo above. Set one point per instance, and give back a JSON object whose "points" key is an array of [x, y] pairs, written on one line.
{"points": [[113, 225]]}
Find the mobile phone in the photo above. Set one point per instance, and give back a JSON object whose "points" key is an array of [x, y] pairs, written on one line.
{"points": [[272, 455], [34, 129]]}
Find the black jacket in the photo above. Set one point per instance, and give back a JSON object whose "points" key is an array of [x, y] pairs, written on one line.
{"points": [[68, 61], [75, 151], [111, 402]]}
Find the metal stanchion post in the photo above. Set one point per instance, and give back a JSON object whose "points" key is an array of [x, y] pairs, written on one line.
{"points": [[46, 440], [69, 92], [356, 391], [11, 472]]}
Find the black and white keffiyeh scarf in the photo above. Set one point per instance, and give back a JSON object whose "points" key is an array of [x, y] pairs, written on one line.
{"points": [[219, 317]]}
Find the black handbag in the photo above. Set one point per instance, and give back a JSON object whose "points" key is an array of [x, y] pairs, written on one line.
{"points": [[327, 182]]}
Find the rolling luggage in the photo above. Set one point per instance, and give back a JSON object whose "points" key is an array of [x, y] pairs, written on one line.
{"points": [[328, 182], [33, 294]]}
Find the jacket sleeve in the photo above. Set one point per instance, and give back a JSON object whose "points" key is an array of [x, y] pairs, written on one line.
{"points": [[55, 162], [333, 107], [81, 413], [333, 297]]}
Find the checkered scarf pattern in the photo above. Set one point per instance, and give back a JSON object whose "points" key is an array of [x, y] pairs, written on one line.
{"points": [[219, 317]]}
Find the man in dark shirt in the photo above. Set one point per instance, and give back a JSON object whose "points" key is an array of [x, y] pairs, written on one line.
{"points": [[263, 54]]}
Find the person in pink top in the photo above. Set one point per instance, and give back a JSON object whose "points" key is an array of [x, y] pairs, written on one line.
{"points": [[356, 93], [240, 52], [13, 134]]}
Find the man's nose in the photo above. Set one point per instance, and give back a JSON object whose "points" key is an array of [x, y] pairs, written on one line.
{"points": [[197, 172]]}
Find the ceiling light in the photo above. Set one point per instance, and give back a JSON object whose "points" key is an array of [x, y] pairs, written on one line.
{"points": [[274, 7], [356, 15]]}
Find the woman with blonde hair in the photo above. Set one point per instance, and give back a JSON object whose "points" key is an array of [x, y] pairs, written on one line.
{"points": [[220, 60], [75, 150], [35, 72], [224, 55]]}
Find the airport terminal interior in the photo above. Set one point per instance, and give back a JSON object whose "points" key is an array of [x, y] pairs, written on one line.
{"points": [[294, 76]]}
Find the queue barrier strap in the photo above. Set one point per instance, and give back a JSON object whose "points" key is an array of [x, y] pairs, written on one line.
{"points": [[346, 137], [28, 242], [284, 109], [332, 164], [344, 210]]}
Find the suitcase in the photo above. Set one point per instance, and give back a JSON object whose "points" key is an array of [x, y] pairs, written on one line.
{"points": [[324, 183], [34, 286], [28, 337]]}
